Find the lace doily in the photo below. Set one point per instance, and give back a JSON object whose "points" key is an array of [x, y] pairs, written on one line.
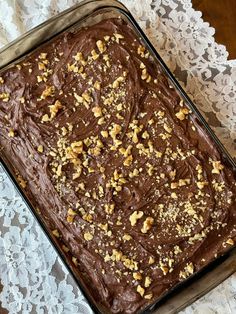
{"points": [[33, 278]]}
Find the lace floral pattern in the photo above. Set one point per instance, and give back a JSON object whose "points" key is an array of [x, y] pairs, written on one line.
{"points": [[32, 276]]}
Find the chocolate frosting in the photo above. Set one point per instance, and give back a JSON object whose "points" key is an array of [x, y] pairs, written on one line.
{"points": [[120, 170]]}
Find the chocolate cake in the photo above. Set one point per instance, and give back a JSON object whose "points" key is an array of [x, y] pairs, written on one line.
{"points": [[119, 168]]}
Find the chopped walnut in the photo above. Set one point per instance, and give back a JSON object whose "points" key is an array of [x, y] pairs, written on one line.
{"points": [[42, 66], [59, 170], [230, 241], [201, 184], [97, 111], [40, 148], [101, 121], [75, 261], [118, 37], [188, 270], [140, 290], [141, 51], [217, 167], [148, 296], [49, 91], [73, 68], [151, 260], [79, 57], [142, 65], [78, 98], [137, 276], [133, 218], [77, 147], [174, 185], [117, 82], [43, 56], [97, 85], [167, 128], [119, 107], [87, 97], [126, 237], [11, 133], [147, 225], [104, 134], [164, 269], [177, 250], [70, 218], [21, 181], [126, 152], [56, 233], [109, 208], [182, 113], [158, 154], [45, 118], [65, 248], [147, 282], [22, 100], [173, 195], [71, 212], [101, 46], [183, 182], [55, 108], [145, 74], [128, 161], [88, 236], [5, 97], [218, 186], [116, 129], [94, 54], [104, 227], [107, 38], [145, 135]]}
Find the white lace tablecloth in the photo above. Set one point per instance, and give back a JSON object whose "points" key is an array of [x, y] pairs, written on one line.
{"points": [[32, 277]]}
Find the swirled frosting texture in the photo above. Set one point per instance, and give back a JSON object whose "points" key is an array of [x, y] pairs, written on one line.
{"points": [[120, 170]]}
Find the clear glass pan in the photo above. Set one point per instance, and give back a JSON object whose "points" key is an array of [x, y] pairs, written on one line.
{"points": [[87, 13]]}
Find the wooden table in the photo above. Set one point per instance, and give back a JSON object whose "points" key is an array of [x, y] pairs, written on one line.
{"points": [[221, 14]]}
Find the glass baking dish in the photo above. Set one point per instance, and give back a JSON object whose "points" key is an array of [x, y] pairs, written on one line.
{"points": [[88, 13]]}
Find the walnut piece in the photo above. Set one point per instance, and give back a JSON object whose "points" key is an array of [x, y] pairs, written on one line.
{"points": [[140, 290], [201, 184], [181, 114], [137, 276], [49, 91], [40, 148], [56, 233], [11, 133], [97, 85], [147, 282], [5, 97], [101, 46], [230, 241], [128, 161], [148, 296], [97, 111], [217, 167], [147, 225], [133, 218], [55, 108], [88, 236]]}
